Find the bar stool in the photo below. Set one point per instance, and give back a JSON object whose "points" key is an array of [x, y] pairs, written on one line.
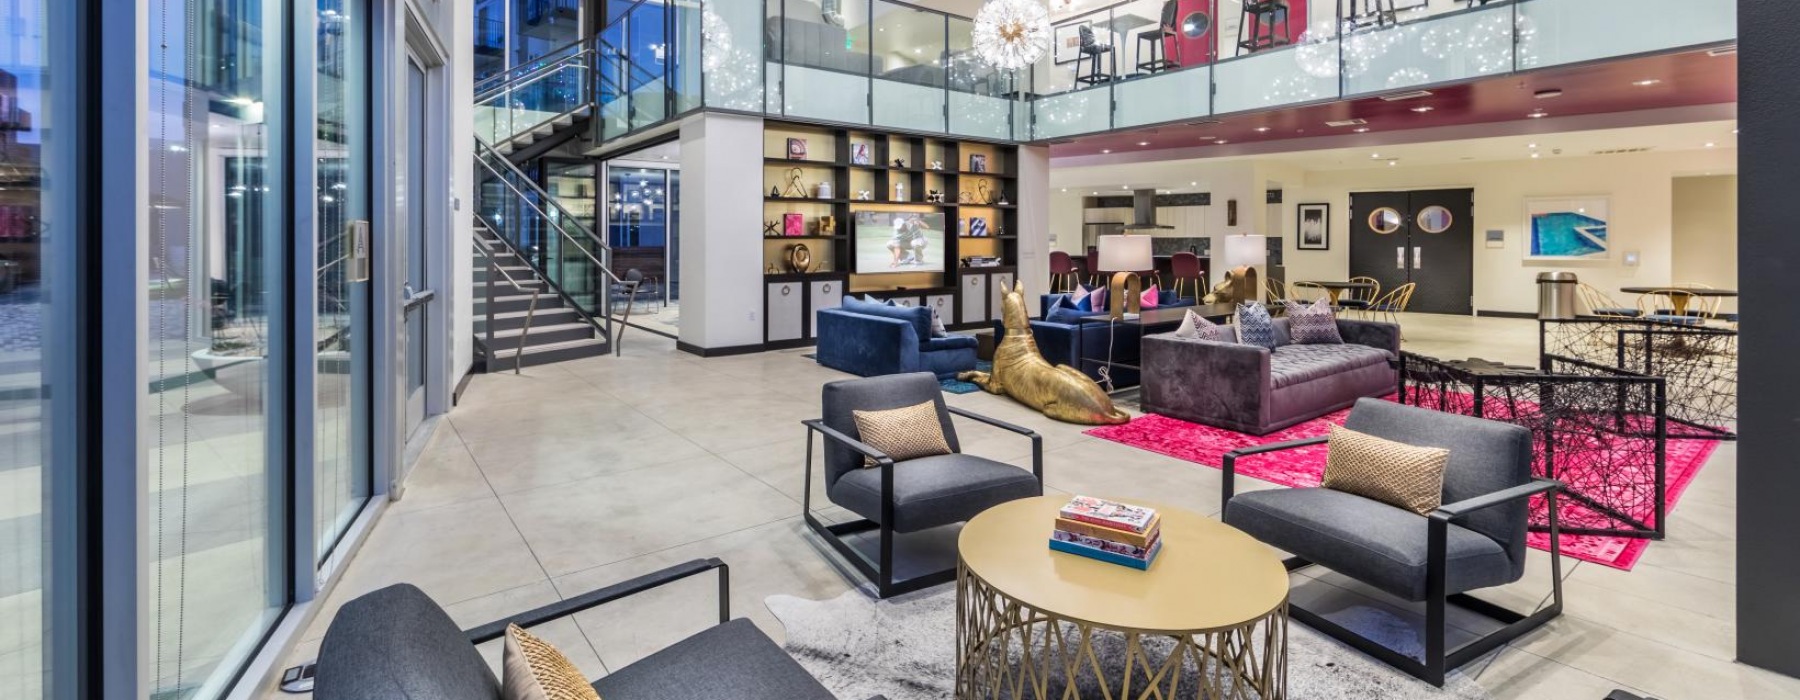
{"points": [[1094, 276], [1185, 268], [1158, 58], [1260, 17], [1062, 271], [1092, 48], [1381, 13]]}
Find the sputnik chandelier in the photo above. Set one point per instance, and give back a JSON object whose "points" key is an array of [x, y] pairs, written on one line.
{"points": [[1012, 34]]}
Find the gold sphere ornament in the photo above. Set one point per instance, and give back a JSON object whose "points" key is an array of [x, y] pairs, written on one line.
{"points": [[1012, 34]]}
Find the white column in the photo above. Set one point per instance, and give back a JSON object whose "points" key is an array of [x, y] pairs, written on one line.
{"points": [[1034, 220], [721, 224]]}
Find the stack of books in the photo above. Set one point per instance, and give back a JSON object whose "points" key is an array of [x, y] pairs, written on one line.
{"points": [[1109, 531], [981, 261]]}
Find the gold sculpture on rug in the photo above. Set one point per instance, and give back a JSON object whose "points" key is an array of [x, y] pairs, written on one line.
{"points": [[1020, 371]]}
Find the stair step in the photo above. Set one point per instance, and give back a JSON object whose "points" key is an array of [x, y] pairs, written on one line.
{"points": [[502, 360], [540, 328], [508, 320], [502, 298]]}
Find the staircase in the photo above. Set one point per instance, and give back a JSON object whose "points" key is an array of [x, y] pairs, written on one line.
{"points": [[520, 322]]}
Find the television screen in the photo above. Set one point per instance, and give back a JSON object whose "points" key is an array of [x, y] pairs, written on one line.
{"points": [[894, 241]]}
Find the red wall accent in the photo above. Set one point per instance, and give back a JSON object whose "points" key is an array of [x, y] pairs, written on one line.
{"points": [[1201, 50]]}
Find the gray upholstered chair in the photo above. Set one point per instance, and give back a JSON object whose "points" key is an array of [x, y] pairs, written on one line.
{"points": [[1475, 540], [904, 497], [397, 644]]}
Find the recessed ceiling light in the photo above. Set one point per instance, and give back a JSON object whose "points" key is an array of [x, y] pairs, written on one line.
{"points": [[1374, 155], [1531, 145], [1143, 143], [1647, 82], [1538, 115], [1534, 155], [1734, 131], [1193, 184], [1362, 129], [1391, 164], [1709, 144], [1547, 94], [1423, 108], [1105, 150], [1220, 142], [1065, 189], [1262, 129]]}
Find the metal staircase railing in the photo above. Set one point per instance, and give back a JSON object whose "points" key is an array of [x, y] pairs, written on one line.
{"points": [[566, 254], [494, 270]]}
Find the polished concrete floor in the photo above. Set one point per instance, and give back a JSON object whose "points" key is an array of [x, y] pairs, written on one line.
{"points": [[584, 473]]}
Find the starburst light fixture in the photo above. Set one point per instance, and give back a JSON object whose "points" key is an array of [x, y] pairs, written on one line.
{"points": [[1012, 34]]}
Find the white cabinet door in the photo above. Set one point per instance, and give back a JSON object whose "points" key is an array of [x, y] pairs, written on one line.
{"points": [[828, 294], [787, 310], [908, 302], [974, 298], [944, 305]]}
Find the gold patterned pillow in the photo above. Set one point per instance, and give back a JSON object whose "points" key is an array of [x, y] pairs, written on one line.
{"points": [[1394, 473], [533, 669], [902, 433]]}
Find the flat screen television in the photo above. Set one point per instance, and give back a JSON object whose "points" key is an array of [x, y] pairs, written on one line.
{"points": [[897, 241]]}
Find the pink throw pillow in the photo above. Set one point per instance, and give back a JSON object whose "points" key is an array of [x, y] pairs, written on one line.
{"points": [[1149, 299]]}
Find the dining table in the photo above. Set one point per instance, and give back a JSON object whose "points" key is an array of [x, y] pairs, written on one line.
{"points": [[1679, 302], [1337, 288]]}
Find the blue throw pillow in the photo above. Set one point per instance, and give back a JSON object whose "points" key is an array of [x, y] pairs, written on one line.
{"points": [[1254, 326]]}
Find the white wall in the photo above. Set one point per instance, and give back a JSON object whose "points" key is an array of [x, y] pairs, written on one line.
{"points": [[1705, 233], [721, 251], [1640, 186]]}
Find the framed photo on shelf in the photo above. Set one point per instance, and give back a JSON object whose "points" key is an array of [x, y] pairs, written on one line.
{"points": [[977, 163], [796, 148], [861, 154], [793, 224], [1312, 227]]}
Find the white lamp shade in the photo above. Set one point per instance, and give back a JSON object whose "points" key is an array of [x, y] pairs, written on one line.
{"points": [[1244, 250], [1126, 253]]}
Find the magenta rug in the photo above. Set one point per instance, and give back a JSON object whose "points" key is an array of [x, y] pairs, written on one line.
{"points": [[1305, 467]]}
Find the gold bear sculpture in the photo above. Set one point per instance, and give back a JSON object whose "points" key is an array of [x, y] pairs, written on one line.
{"points": [[1020, 371]]}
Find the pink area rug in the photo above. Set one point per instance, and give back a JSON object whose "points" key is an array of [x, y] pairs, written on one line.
{"points": [[1305, 467]]}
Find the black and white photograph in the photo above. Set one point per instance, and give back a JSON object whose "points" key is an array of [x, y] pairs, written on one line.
{"points": [[1313, 227]]}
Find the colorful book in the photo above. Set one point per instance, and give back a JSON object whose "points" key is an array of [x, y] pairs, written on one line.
{"points": [[1108, 557], [1135, 539], [1105, 544], [1112, 514]]}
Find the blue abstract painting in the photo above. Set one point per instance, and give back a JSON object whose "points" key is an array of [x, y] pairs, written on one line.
{"points": [[1567, 229]]}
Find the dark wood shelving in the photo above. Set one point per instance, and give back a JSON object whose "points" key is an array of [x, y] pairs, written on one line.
{"points": [[816, 200], [805, 238], [771, 160]]}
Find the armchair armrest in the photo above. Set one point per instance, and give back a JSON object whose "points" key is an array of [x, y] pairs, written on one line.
{"points": [[881, 458], [1229, 465], [1037, 441], [493, 630], [1452, 511], [1375, 334]]}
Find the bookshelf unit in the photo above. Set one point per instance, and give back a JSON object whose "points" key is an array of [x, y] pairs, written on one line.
{"points": [[895, 170]]}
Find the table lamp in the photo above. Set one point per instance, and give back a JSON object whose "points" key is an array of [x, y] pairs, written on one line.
{"points": [[1243, 253], [1126, 255]]}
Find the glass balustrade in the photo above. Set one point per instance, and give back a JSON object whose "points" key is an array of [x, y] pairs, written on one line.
{"points": [[1130, 64]]}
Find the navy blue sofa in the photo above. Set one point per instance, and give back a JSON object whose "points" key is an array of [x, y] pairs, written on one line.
{"points": [[1061, 345], [875, 339]]}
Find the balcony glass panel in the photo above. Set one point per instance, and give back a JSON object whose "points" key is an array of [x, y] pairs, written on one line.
{"points": [[908, 63], [1164, 97], [1445, 47], [827, 61], [1084, 52], [646, 68], [1080, 112], [1555, 32], [978, 103], [732, 33], [688, 57], [1267, 79]]}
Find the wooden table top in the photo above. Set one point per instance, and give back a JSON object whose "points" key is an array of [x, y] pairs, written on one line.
{"points": [[1339, 285], [1209, 575], [1172, 314], [1696, 291]]}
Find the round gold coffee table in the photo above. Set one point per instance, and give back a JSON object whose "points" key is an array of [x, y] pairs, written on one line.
{"points": [[1208, 620]]}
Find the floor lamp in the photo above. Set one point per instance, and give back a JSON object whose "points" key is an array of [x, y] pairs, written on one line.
{"points": [[1242, 255], [1126, 255]]}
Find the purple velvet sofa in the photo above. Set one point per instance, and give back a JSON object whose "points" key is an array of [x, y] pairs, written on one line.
{"points": [[1258, 391]]}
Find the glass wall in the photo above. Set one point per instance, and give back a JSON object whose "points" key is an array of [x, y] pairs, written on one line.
{"points": [[25, 316], [908, 63], [825, 49], [978, 92], [342, 195], [513, 33], [217, 223]]}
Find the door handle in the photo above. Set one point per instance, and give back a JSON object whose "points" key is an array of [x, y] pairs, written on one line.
{"points": [[358, 234], [1400, 258], [411, 300], [1418, 258]]}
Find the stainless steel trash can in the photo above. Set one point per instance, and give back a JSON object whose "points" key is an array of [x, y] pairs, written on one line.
{"points": [[1556, 295]]}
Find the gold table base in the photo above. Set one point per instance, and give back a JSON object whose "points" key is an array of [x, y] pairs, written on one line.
{"points": [[1008, 649]]}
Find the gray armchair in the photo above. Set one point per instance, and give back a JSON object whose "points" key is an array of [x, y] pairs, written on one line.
{"points": [[918, 494], [396, 644], [1475, 540]]}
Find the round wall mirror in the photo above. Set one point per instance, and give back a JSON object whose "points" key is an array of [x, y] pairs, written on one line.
{"points": [[1195, 25], [1435, 219], [1385, 220]]}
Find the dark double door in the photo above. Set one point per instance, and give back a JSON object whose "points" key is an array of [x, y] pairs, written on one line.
{"points": [[1426, 237]]}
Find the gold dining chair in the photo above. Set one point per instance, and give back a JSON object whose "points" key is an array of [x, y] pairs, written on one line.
{"points": [[1359, 299], [1392, 304], [1670, 306], [1709, 305], [1598, 303], [1307, 292]]}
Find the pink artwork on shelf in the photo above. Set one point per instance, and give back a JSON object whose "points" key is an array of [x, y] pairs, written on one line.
{"points": [[793, 224]]}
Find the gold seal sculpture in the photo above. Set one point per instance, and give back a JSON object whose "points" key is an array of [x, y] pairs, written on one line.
{"points": [[1020, 371]]}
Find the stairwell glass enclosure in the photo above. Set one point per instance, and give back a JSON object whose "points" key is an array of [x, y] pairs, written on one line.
{"points": [[1129, 64]]}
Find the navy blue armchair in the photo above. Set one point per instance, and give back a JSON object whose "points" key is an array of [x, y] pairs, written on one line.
{"points": [[871, 340]]}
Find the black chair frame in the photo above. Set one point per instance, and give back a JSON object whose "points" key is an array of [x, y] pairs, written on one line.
{"points": [[881, 569], [618, 591], [1438, 661]]}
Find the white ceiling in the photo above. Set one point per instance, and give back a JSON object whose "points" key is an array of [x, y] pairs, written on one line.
{"points": [[1176, 175]]}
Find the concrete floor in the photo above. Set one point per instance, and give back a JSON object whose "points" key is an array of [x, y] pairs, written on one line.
{"points": [[584, 473]]}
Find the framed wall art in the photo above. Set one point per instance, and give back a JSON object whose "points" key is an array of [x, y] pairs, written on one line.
{"points": [[1567, 228], [1312, 227]]}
